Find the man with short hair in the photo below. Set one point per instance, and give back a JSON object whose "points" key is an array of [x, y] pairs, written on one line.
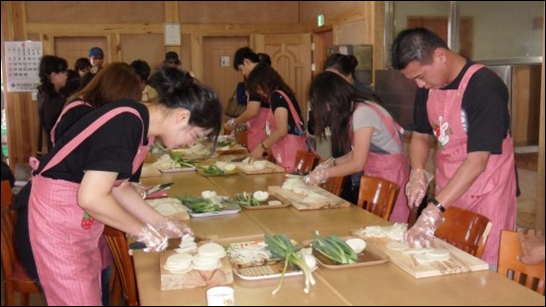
{"points": [[96, 57]]}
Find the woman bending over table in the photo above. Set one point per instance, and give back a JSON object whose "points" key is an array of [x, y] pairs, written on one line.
{"points": [[81, 184]]}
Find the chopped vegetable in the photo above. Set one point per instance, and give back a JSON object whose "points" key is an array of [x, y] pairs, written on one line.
{"points": [[179, 160], [334, 248], [199, 204], [212, 169], [246, 199], [282, 247]]}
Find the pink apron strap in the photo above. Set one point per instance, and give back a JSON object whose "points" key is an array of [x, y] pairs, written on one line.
{"points": [[387, 122], [297, 119], [76, 141], [65, 110]]}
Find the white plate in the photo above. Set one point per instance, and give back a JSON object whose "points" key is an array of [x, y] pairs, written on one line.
{"points": [[437, 253], [215, 213]]}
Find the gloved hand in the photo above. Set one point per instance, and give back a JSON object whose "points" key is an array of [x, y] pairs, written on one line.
{"points": [[532, 246], [425, 226], [141, 190], [416, 188], [173, 228], [154, 240], [326, 164], [317, 176]]}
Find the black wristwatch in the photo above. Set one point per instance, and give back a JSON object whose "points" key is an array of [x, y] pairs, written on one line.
{"points": [[437, 204]]}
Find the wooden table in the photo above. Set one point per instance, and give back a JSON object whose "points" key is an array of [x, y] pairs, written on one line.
{"points": [[383, 284]]}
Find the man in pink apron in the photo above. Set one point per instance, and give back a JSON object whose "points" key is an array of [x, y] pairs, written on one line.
{"points": [[465, 107], [255, 114]]}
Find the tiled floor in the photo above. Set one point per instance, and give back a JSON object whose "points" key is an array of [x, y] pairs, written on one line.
{"points": [[526, 205]]}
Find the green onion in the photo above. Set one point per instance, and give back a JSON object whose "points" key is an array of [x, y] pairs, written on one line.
{"points": [[334, 248], [281, 247]]}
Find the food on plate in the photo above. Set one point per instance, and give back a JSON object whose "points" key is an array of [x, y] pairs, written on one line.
{"points": [[334, 248], [168, 162], [260, 195], [357, 244], [274, 203], [209, 194], [230, 167], [200, 204], [179, 263], [246, 199], [259, 164]]}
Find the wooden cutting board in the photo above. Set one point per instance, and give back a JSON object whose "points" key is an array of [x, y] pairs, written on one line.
{"points": [[332, 201], [149, 170], [232, 150], [458, 262], [269, 168]]}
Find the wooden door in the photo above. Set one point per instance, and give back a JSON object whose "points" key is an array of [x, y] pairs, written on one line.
{"points": [[439, 26], [221, 76], [73, 48], [321, 42], [291, 57]]}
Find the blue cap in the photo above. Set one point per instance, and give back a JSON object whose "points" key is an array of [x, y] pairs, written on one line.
{"points": [[96, 52]]}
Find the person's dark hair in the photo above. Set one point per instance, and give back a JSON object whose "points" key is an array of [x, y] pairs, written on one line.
{"points": [[176, 88], [244, 53], [343, 64], [142, 69], [114, 82], [415, 44], [50, 64], [333, 102], [81, 64], [264, 77], [72, 83], [264, 58], [86, 79]]}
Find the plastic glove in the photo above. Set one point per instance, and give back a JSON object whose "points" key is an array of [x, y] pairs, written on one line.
{"points": [[326, 164], [416, 187], [423, 230], [154, 240], [141, 190], [318, 176], [173, 228]]}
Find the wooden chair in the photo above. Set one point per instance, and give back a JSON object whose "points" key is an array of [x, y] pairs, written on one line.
{"points": [[465, 229], [16, 278], [334, 185], [531, 276], [305, 161], [377, 195], [123, 262]]}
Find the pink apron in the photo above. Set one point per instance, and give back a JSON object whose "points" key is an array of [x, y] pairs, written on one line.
{"points": [[493, 194], [393, 167], [256, 129], [284, 151], [60, 239], [69, 107]]}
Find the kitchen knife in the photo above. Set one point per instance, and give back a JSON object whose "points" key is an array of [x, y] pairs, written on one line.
{"points": [[159, 187]]}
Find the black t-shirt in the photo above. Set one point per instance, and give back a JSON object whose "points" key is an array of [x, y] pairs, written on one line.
{"points": [[49, 111], [485, 102], [70, 117], [111, 148], [277, 101], [263, 104]]}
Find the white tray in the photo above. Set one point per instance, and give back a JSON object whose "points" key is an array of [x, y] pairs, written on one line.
{"points": [[178, 170]]}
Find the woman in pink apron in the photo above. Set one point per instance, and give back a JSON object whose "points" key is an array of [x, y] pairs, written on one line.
{"points": [[284, 125], [465, 107], [364, 131], [255, 114], [79, 186]]}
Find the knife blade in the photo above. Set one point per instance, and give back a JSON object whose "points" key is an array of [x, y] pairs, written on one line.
{"points": [[159, 187]]}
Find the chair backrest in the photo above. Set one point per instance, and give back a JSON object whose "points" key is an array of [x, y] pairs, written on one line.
{"points": [[377, 195], [334, 185], [7, 197], [465, 229], [305, 161], [124, 263], [15, 277], [529, 275]]}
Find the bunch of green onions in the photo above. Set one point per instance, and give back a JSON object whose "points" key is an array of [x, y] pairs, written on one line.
{"points": [[334, 248], [282, 247]]}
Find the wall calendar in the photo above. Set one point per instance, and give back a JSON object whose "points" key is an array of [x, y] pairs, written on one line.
{"points": [[22, 61]]}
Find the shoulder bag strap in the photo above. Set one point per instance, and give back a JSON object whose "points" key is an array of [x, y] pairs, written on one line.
{"points": [[296, 117]]}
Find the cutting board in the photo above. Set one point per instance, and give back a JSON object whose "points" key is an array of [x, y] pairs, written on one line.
{"points": [[149, 170], [269, 168], [232, 150], [458, 262], [194, 278], [332, 202]]}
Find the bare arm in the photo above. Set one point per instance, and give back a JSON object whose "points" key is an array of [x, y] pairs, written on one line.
{"points": [[419, 150], [95, 197], [252, 109], [354, 161]]}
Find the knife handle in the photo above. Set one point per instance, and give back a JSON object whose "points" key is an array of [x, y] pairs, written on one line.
{"points": [[412, 216]]}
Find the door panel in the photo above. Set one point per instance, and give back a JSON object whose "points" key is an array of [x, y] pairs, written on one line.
{"points": [[291, 57], [73, 48], [223, 79]]}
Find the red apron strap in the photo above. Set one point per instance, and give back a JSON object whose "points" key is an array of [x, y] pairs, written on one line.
{"points": [[296, 117], [390, 127], [76, 141], [70, 106]]}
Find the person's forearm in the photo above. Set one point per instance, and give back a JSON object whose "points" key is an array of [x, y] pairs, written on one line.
{"points": [[132, 202], [474, 165], [419, 150]]}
